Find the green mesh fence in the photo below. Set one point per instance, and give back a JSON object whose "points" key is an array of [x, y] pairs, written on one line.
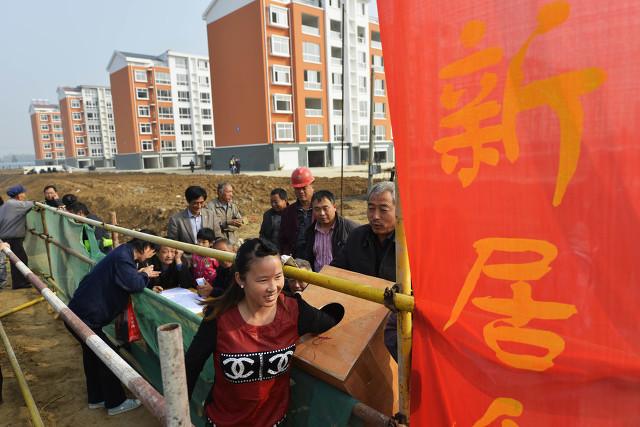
{"points": [[313, 402]]}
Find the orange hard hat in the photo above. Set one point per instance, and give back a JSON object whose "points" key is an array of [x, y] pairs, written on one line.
{"points": [[301, 177]]}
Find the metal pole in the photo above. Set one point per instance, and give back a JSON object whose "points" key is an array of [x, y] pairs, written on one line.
{"points": [[174, 379], [371, 133], [22, 382], [403, 278], [149, 397], [21, 307], [344, 87], [402, 302], [65, 249]]}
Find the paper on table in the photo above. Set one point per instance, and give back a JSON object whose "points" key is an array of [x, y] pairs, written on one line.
{"points": [[185, 298]]}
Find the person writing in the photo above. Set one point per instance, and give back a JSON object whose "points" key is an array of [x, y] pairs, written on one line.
{"points": [[173, 271], [252, 331], [103, 294]]}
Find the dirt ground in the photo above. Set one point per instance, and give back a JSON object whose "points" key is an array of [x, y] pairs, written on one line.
{"points": [[148, 200], [49, 356]]}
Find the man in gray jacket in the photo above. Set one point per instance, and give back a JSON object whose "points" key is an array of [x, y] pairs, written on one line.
{"points": [[227, 214], [184, 226], [13, 228]]}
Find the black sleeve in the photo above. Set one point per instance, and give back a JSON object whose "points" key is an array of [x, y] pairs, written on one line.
{"points": [[311, 320], [202, 346], [185, 280], [264, 234]]}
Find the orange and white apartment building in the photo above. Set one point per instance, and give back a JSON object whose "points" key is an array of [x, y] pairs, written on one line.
{"points": [[288, 76], [163, 109], [48, 135], [89, 127]]}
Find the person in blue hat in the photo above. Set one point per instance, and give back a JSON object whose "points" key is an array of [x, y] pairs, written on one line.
{"points": [[13, 228]]}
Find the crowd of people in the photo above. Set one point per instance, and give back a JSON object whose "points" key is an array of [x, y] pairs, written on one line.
{"points": [[251, 310]]}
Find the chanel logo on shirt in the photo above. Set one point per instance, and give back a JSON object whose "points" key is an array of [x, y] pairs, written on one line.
{"points": [[249, 367]]}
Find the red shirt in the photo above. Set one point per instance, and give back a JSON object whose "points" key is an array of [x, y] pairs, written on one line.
{"points": [[252, 365]]}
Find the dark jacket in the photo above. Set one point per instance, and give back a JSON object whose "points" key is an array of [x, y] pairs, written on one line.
{"points": [[343, 227], [270, 227], [289, 230], [171, 277], [104, 292]]}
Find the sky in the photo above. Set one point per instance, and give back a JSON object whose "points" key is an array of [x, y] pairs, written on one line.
{"points": [[52, 43]]}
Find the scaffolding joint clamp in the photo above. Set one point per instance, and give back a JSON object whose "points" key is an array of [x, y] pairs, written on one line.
{"points": [[389, 294], [400, 419]]}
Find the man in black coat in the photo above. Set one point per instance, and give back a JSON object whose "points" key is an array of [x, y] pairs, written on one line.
{"points": [[371, 248], [174, 273], [270, 227], [328, 232]]}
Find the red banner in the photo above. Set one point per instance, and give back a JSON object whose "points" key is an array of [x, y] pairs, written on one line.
{"points": [[516, 127]]}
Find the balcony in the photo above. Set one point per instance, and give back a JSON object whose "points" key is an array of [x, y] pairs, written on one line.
{"points": [[379, 115], [312, 31], [379, 92], [312, 112], [337, 112], [336, 61], [313, 85], [376, 44], [336, 36]]}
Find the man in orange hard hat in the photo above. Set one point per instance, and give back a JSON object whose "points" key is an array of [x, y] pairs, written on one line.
{"points": [[297, 216]]}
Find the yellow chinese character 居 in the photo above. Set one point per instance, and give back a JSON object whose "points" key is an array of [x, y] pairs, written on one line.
{"points": [[501, 407], [518, 311]]}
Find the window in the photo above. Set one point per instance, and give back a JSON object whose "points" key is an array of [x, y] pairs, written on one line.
{"points": [[312, 80], [281, 75], [183, 96], [203, 80], [363, 58], [364, 109], [75, 103], [95, 140], [80, 140], [46, 146], [77, 128], [142, 93], [48, 156], [362, 84], [167, 145], [145, 128], [163, 94], [311, 52], [206, 113], [44, 128], [282, 103], [182, 79], [90, 104], [163, 78], [140, 75], [313, 107], [279, 45], [335, 3], [59, 146], [310, 25], [380, 133], [187, 145], [76, 116], [208, 143], [284, 131], [363, 9], [336, 81], [278, 17], [315, 132], [337, 132], [167, 129], [378, 62], [337, 107], [165, 112], [143, 111], [96, 152], [335, 28], [93, 116], [205, 97], [147, 145], [181, 63], [94, 128], [81, 152], [185, 129], [55, 117], [376, 42], [364, 133], [203, 64], [44, 117], [379, 110], [57, 128], [207, 129], [184, 113], [378, 87], [46, 137], [58, 137], [336, 56]]}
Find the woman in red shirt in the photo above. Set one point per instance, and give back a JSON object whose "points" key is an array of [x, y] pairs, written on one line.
{"points": [[252, 330]]}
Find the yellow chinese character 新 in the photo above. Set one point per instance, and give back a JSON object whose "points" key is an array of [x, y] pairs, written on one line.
{"points": [[501, 407]]}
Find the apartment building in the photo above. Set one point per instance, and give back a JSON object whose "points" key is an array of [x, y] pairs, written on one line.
{"points": [[163, 109], [48, 135], [89, 127], [290, 75]]}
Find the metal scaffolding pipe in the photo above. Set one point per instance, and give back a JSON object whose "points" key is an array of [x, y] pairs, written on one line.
{"points": [[174, 379], [22, 382], [21, 307], [49, 239], [149, 396], [402, 302]]}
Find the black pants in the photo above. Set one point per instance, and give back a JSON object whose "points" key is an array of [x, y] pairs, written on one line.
{"points": [[102, 384], [18, 281]]}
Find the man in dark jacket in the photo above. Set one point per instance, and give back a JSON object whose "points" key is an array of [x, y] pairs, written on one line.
{"points": [[371, 248], [173, 272], [102, 294], [13, 214], [328, 233], [297, 217], [51, 196], [270, 227]]}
